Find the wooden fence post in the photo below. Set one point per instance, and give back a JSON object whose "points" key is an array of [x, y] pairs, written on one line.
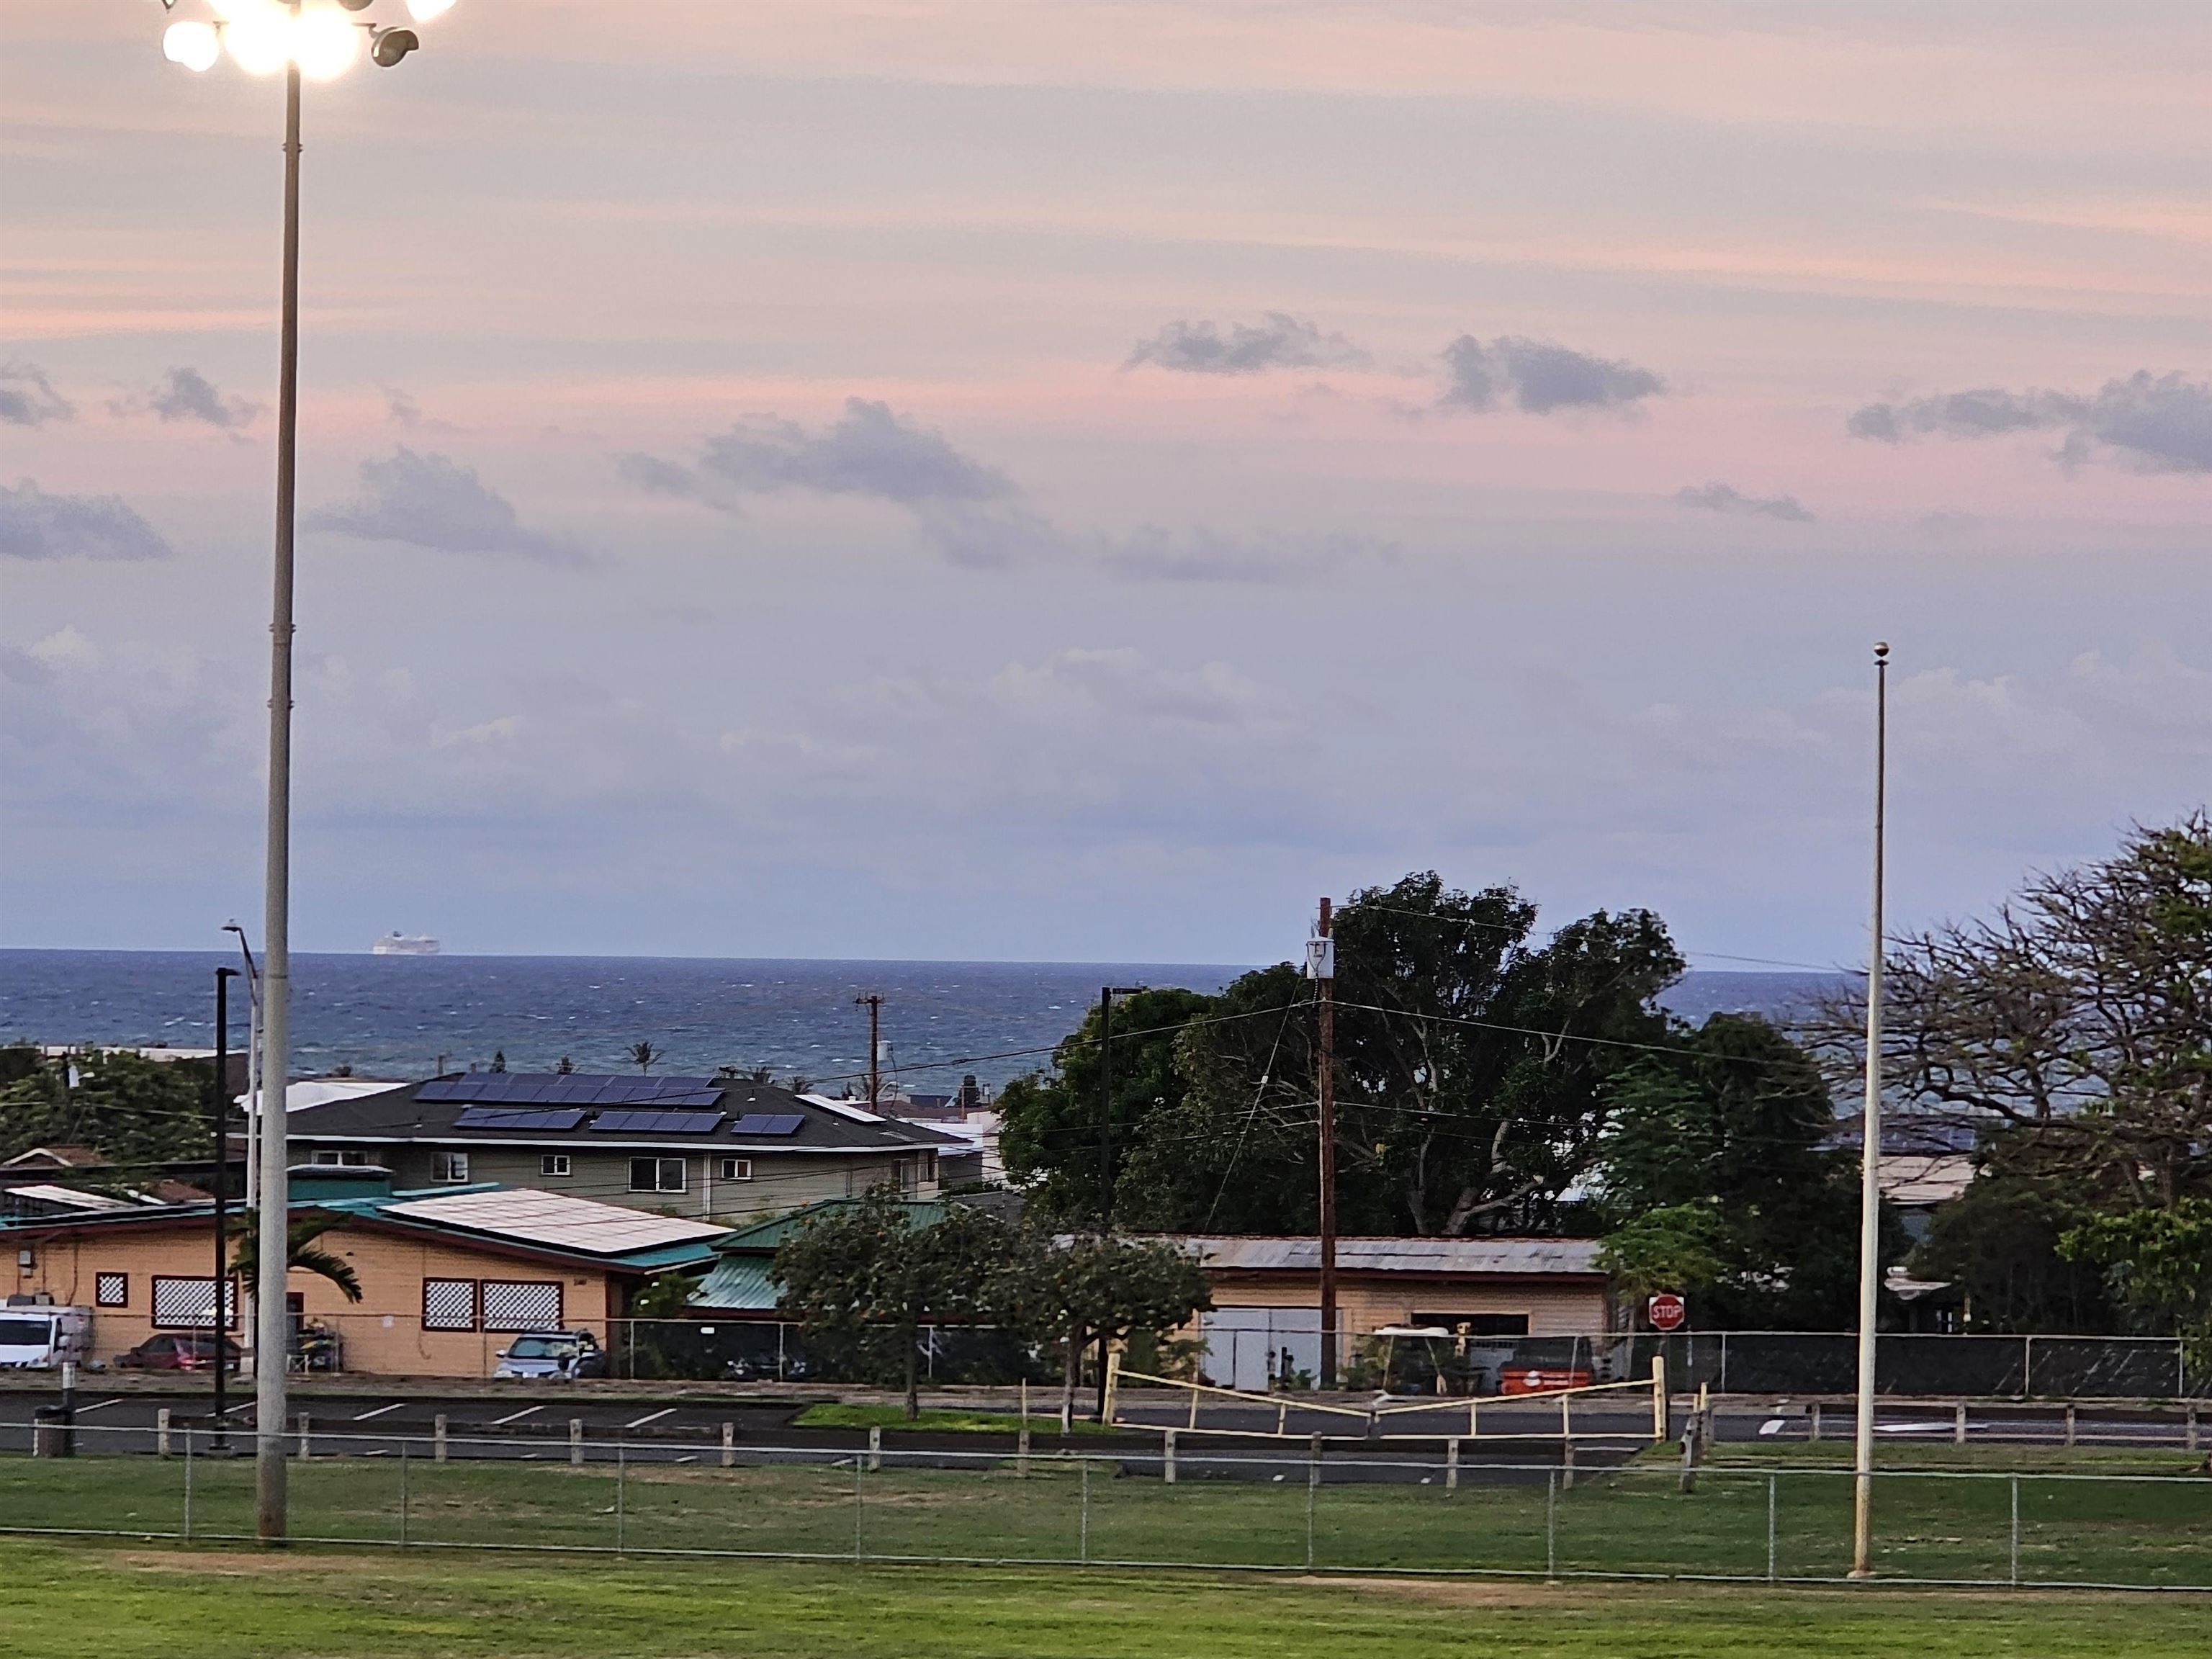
{"points": [[1167, 1457], [1452, 1464], [576, 1439], [729, 1445], [162, 1430], [438, 1437]]}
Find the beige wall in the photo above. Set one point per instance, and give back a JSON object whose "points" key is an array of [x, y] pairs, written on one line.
{"points": [[781, 1181], [1565, 1307], [383, 1333]]}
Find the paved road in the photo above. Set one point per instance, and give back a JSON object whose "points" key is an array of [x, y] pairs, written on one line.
{"points": [[1407, 1447]]}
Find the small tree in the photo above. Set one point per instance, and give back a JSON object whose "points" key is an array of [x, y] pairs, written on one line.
{"points": [[642, 1055], [873, 1274], [1682, 1248], [1098, 1288], [499, 1060], [306, 1255], [2159, 1263], [567, 1067]]}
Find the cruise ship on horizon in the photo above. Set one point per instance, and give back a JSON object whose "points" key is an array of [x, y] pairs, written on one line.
{"points": [[404, 944]]}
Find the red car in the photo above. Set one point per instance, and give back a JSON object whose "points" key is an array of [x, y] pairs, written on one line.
{"points": [[179, 1350]]}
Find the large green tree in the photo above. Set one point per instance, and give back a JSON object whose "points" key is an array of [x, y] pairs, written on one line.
{"points": [[1055, 1135], [141, 1114], [1098, 1288], [1729, 1126], [1470, 1069], [868, 1276]]}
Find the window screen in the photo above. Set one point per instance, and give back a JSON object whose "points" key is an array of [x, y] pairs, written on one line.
{"points": [[111, 1289], [188, 1304], [449, 1304], [522, 1307], [656, 1175]]}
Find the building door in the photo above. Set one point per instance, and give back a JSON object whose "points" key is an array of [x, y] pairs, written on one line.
{"points": [[1258, 1348]]}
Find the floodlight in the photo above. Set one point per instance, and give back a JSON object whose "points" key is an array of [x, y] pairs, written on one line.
{"points": [[195, 44], [388, 46], [424, 10], [259, 38], [326, 43], [356, 5]]}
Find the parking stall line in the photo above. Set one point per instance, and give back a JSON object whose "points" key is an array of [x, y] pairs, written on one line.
{"points": [[650, 1417], [512, 1417], [358, 1416]]}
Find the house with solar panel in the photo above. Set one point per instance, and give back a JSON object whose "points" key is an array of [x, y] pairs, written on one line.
{"points": [[712, 1148]]}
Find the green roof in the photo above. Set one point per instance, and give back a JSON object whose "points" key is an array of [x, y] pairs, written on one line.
{"points": [[739, 1281]]}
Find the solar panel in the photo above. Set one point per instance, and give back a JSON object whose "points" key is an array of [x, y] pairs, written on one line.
{"points": [[501, 1117], [657, 1123], [768, 1123]]}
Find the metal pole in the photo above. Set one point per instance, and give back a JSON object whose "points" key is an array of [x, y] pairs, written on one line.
{"points": [[403, 1494], [1325, 984], [622, 1491], [222, 979], [1551, 1523], [1083, 1538], [1105, 1108], [1870, 1157], [2015, 1529], [1770, 1527], [188, 1482], [270, 1337]]}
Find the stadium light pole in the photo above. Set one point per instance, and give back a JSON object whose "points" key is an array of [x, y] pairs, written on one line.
{"points": [[1870, 1156], [305, 39]]}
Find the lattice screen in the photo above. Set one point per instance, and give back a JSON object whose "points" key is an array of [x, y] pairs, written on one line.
{"points": [[535, 1307], [185, 1304], [449, 1304]]}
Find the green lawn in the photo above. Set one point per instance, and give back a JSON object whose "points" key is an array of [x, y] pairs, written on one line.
{"points": [[65, 1601], [2153, 1533]]}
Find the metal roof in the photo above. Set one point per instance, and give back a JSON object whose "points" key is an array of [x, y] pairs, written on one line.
{"points": [[552, 1218], [1400, 1256]]}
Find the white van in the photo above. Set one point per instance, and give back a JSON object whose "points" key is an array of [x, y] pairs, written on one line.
{"points": [[43, 1335]]}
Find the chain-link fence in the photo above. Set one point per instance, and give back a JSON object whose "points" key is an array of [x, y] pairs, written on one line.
{"points": [[1306, 1509]]}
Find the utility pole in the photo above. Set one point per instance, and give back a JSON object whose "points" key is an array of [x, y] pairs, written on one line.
{"points": [[1106, 995], [222, 979], [1870, 1155], [1321, 963], [873, 1002]]}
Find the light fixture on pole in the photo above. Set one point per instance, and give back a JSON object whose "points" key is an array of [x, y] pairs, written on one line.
{"points": [[253, 1065], [1870, 1155], [307, 39]]}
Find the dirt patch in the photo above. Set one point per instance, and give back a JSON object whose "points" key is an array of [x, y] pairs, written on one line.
{"points": [[233, 1564], [1450, 1592]]}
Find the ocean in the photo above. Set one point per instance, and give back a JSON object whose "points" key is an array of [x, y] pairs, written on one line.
{"points": [[402, 1017]]}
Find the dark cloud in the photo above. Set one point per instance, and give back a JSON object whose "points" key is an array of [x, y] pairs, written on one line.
{"points": [[405, 411], [27, 398], [868, 452], [1279, 340], [1726, 498], [987, 538], [1541, 377], [429, 500], [36, 526], [2153, 423], [185, 394]]}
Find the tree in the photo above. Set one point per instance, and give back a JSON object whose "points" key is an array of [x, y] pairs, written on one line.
{"points": [[2159, 1263], [2080, 1017], [871, 1275], [1052, 1132], [140, 1113], [1469, 1069], [1682, 1248], [1097, 1287], [499, 1060], [1999, 1243], [303, 1253], [642, 1055], [1730, 1125]]}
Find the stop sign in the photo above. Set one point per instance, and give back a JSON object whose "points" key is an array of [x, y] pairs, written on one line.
{"points": [[1665, 1311]]}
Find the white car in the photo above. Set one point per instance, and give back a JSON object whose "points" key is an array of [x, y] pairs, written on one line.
{"points": [[34, 1335]]}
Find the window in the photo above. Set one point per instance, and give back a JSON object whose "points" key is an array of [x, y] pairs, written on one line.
{"points": [[1476, 1324], [737, 1169], [449, 1304], [533, 1306], [348, 1160], [553, 1163], [656, 1175], [111, 1290], [188, 1304], [449, 1166]]}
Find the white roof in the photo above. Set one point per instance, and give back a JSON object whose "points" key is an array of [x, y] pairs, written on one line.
{"points": [[1402, 1255], [844, 1108], [1925, 1178], [321, 1091], [73, 1199], [554, 1218]]}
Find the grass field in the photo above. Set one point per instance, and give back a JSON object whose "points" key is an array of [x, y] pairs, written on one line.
{"points": [[65, 1601], [2153, 1532]]}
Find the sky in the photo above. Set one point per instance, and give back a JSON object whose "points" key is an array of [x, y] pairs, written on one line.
{"points": [[1068, 482]]}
